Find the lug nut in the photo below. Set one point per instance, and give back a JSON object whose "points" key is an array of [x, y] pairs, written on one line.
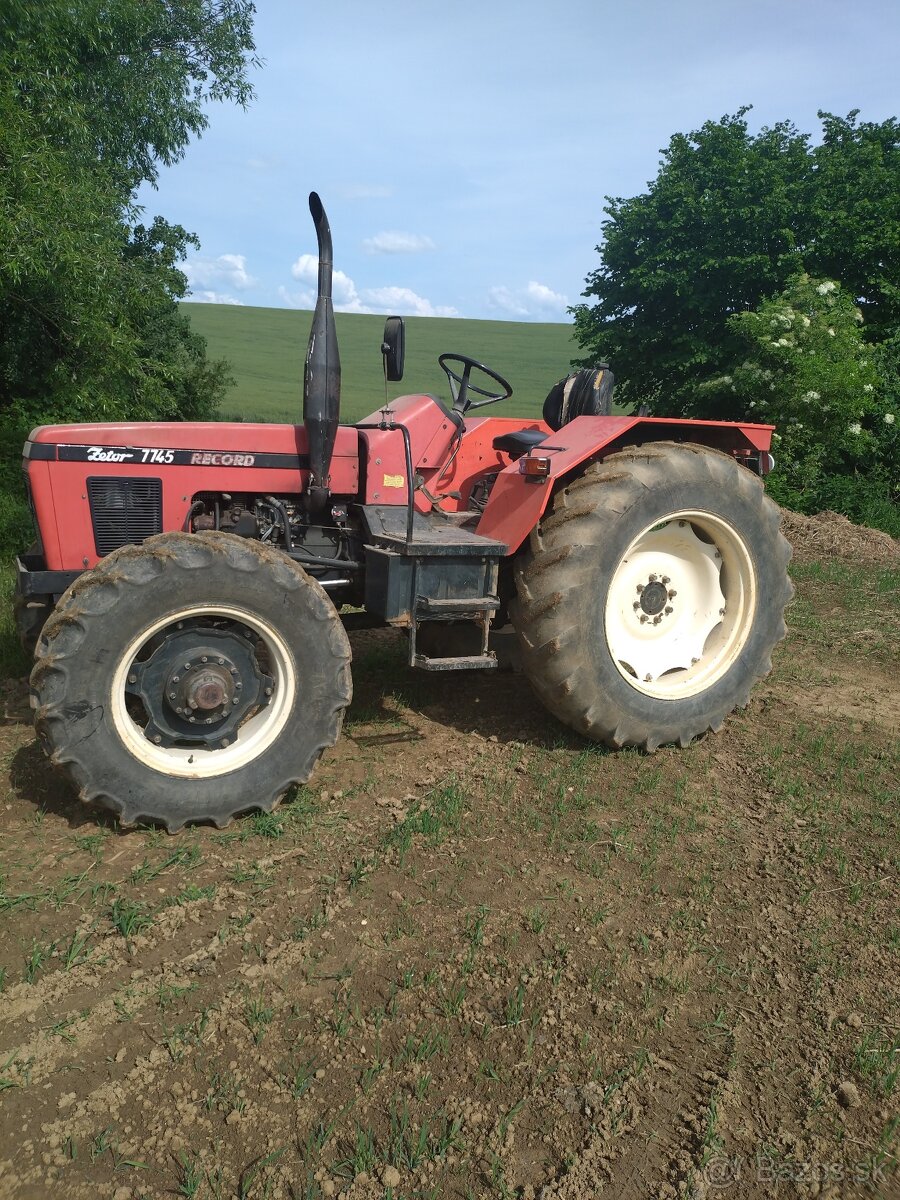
{"points": [[653, 579], [636, 605], [668, 609], [204, 659], [235, 700], [175, 678], [132, 678], [721, 612], [648, 679], [656, 620], [157, 739], [221, 662], [672, 594], [640, 588], [238, 686], [665, 579], [694, 661], [643, 618], [269, 691]]}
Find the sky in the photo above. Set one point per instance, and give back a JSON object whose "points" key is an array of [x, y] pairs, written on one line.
{"points": [[463, 148]]}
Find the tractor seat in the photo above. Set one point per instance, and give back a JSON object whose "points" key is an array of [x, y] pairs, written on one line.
{"points": [[519, 442]]}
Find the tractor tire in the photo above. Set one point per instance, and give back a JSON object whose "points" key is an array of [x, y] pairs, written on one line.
{"points": [[191, 678], [649, 602]]}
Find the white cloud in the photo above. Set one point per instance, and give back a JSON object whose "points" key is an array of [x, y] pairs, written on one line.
{"points": [[343, 289], [348, 298], [535, 300], [506, 301], [208, 297], [395, 242], [228, 269], [404, 301]]}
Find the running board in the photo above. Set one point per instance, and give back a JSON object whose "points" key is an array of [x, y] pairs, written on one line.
{"points": [[471, 662]]}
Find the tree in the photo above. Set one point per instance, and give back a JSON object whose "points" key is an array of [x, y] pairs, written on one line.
{"points": [[94, 95], [729, 219]]}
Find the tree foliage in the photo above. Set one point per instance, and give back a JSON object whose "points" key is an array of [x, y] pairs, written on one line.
{"points": [[94, 96], [729, 219]]}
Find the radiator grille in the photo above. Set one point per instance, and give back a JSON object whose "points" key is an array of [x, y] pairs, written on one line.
{"points": [[124, 511]]}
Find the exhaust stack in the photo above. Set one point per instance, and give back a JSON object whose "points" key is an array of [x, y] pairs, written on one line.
{"points": [[322, 375]]}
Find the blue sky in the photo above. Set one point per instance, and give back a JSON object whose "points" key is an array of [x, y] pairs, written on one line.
{"points": [[463, 149]]}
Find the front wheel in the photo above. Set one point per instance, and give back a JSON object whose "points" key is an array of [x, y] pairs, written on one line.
{"points": [[651, 599], [191, 678]]}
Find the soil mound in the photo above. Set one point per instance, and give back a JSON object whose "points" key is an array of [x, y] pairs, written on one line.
{"points": [[829, 535]]}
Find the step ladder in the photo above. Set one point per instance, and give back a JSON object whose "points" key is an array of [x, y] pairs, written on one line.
{"points": [[478, 610]]}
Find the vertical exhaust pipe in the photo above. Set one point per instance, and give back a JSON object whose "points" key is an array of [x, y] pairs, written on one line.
{"points": [[322, 375]]}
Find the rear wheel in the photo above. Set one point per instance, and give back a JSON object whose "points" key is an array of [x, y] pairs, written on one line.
{"points": [[651, 599], [190, 679]]}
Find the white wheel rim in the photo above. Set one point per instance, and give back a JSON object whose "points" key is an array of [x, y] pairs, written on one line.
{"points": [[254, 735], [698, 568]]}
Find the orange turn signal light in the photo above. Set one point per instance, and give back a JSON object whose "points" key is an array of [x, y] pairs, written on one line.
{"points": [[534, 466]]}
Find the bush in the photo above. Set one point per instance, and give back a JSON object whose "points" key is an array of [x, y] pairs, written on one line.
{"points": [[804, 366]]}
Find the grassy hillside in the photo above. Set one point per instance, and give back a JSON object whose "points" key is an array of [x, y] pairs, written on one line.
{"points": [[267, 346]]}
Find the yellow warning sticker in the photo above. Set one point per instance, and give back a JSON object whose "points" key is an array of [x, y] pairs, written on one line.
{"points": [[396, 481]]}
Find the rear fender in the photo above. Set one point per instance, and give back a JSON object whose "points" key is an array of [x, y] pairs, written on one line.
{"points": [[517, 503]]}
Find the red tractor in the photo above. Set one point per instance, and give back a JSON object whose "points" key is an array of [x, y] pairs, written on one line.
{"points": [[191, 585]]}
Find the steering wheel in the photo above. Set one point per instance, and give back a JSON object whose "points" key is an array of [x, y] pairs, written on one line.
{"points": [[460, 387]]}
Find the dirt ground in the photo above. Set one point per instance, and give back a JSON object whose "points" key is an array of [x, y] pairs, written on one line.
{"points": [[478, 957]]}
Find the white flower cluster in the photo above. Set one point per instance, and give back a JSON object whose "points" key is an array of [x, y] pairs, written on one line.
{"points": [[808, 397], [784, 319], [889, 418], [854, 428], [828, 286]]}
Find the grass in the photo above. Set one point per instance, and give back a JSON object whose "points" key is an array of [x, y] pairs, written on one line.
{"points": [[267, 348]]}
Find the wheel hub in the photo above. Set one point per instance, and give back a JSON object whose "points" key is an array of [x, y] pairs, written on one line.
{"points": [[198, 685], [653, 597], [206, 685]]}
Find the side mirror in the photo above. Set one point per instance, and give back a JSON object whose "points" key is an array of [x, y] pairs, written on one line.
{"points": [[393, 348]]}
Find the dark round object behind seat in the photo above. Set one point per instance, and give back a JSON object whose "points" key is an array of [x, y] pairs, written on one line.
{"points": [[587, 393]]}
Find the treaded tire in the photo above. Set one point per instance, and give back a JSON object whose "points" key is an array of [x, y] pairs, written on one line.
{"points": [[565, 612], [105, 614]]}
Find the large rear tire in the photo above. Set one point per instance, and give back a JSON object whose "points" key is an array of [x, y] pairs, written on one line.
{"points": [[651, 599], [190, 679]]}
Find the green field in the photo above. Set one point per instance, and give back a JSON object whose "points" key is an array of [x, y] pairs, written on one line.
{"points": [[266, 348]]}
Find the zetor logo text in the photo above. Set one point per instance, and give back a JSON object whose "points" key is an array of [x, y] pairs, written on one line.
{"points": [[210, 458]]}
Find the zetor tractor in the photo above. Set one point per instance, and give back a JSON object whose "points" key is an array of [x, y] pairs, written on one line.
{"points": [[191, 586]]}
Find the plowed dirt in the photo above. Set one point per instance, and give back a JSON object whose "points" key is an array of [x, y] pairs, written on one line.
{"points": [[478, 956]]}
